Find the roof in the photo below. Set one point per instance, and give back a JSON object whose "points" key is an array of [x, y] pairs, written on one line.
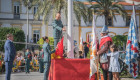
{"points": [[122, 3]]}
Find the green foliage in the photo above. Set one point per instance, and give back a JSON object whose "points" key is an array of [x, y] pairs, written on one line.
{"points": [[49, 8], [51, 42], [108, 8], [19, 36], [119, 40]]}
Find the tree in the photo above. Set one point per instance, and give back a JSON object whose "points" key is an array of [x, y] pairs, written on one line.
{"points": [[108, 8], [29, 3], [51, 7], [19, 36]]}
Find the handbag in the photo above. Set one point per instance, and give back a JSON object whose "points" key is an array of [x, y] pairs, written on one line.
{"points": [[103, 58]]}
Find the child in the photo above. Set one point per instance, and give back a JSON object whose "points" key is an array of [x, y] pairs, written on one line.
{"points": [[114, 65]]}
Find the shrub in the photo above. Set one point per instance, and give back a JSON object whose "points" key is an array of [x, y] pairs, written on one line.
{"points": [[19, 36], [120, 41]]}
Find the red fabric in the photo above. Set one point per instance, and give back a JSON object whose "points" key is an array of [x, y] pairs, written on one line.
{"points": [[70, 69], [59, 51], [0, 63], [104, 40]]}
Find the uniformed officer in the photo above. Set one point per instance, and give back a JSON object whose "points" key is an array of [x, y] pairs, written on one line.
{"points": [[28, 58], [41, 63], [57, 29], [47, 57]]}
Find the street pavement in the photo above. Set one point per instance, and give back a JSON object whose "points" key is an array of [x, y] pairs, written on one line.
{"points": [[23, 76], [35, 76]]}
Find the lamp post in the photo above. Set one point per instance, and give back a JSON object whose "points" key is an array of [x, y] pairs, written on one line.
{"points": [[28, 7], [27, 25], [70, 28]]}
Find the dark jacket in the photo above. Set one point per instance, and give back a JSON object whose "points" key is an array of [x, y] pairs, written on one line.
{"points": [[10, 51]]}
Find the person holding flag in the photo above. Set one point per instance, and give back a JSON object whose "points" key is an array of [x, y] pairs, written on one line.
{"points": [[57, 29], [47, 57], [105, 43]]}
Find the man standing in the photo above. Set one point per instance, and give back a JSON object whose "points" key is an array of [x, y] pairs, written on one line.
{"points": [[105, 43], [57, 29], [41, 63], [86, 50], [28, 58], [47, 57], [10, 53]]}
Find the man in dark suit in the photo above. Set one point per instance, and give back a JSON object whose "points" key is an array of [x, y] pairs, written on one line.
{"points": [[47, 57], [57, 29], [10, 54]]}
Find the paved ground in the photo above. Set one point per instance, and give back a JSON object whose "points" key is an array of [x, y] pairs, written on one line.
{"points": [[23, 76], [35, 76]]}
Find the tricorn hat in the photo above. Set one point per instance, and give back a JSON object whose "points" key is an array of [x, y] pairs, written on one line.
{"points": [[105, 29]]}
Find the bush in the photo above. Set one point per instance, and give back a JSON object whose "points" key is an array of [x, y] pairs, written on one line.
{"points": [[120, 41], [19, 36]]}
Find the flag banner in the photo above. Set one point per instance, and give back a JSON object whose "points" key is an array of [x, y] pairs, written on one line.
{"points": [[59, 50], [93, 57], [81, 44], [132, 49], [69, 69]]}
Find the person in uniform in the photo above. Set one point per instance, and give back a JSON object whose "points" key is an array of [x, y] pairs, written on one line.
{"points": [[47, 57], [57, 29], [105, 43], [41, 63], [28, 58]]}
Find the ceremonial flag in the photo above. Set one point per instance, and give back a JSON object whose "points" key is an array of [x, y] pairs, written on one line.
{"points": [[93, 57], [132, 48], [81, 44], [59, 50]]}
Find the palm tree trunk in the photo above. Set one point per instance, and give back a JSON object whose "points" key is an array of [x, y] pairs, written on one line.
{"points": [[106, 20]]}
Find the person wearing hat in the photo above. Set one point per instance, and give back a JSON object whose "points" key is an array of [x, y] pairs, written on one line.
{"points": [[104, 45], [28, 58]]}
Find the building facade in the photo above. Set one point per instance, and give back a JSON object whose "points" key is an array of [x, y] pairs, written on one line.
{"points": [[13, 13]]}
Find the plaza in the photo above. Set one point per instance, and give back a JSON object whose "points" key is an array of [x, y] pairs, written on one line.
{"points": [[78, 32]]}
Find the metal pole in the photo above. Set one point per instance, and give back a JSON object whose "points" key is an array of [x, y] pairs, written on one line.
{"points": [[27, 37], [70, 28]]}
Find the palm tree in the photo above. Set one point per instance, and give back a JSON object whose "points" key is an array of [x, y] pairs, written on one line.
{"points": [[29, 3], [108, 8], [51, 7]]}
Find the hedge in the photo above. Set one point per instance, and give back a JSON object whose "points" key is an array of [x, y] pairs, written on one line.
{"points": [[19, 36]]}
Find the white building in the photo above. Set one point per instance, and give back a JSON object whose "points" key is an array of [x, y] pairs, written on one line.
{"points": [[13, 14]]}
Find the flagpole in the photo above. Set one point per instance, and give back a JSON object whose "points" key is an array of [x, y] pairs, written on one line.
{"points": [[96, 52], [93, 57]]}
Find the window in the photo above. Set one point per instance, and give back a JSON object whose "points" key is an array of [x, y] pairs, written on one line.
{"points": [[35, 9], [128, 19], [110, 21], [36, 35], [16, 10]]}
